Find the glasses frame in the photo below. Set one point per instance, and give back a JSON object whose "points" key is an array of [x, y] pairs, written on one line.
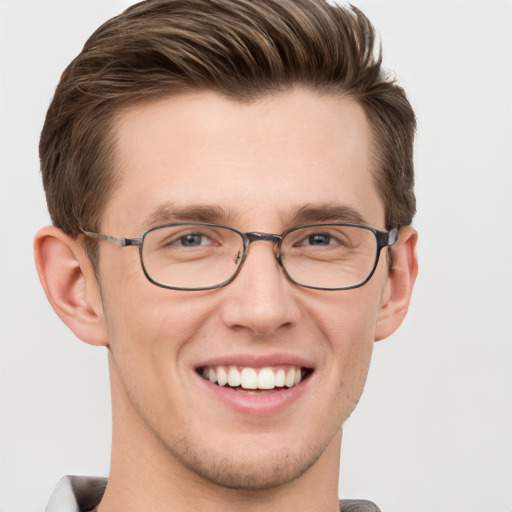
{"points": [[383, 238]]}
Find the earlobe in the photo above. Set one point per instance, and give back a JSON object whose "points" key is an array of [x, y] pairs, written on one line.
{"points": [[70, 285], [398, 289]]}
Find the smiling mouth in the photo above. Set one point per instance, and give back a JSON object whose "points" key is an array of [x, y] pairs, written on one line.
{"points": [[255, 380]]}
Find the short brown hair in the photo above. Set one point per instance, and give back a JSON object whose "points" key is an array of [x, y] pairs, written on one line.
{"points": [[242, 49]]}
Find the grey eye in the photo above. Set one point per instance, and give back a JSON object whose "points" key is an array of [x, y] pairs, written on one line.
{"points": [[191, 240], [318, 239]]}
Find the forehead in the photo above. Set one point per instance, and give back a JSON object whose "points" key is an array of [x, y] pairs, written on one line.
{"points": [[262, 162]]}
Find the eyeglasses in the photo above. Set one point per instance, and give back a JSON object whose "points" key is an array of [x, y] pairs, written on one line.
{"points": [[201, 256]]}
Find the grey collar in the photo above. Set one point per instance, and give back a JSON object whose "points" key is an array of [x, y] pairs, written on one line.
{"points": [[83, 493], [77, 494]]}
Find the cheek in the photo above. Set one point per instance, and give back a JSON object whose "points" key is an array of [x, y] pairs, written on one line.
{"points": [[349, 316], [150, 327], [352, 354], [149, 335], [348, 322], [151, 324], [135, 308]]}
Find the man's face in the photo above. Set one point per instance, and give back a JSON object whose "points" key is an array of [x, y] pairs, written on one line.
{"points": [[265, 166]]}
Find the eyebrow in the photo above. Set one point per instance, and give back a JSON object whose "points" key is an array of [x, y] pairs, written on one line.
{"points": [[331, 212], [170, 212], [309, 213]]}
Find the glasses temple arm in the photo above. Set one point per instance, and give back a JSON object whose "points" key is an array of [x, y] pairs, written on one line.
{"points": [[116, 240]]}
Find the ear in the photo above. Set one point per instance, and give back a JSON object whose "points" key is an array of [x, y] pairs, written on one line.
{"points": [[70, 284], [398, 289]]}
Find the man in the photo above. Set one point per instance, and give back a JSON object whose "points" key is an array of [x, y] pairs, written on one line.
{"points": [[260, 163]]}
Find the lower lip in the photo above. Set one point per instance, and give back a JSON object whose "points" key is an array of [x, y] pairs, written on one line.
{"points": [[256, 404]]}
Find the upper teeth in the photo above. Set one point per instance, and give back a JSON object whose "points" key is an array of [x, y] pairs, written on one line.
{"points": [[250, 378]]}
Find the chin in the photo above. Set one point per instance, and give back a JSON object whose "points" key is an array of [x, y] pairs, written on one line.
{"points": [[249, 474]]}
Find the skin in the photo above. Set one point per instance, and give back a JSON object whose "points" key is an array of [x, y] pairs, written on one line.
{"points": [[174, 441]]}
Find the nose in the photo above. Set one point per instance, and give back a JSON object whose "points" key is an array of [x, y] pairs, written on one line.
{"points": [[261, 299]]}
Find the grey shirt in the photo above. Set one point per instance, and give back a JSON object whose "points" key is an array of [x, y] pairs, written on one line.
{"points": [[83, 493]]}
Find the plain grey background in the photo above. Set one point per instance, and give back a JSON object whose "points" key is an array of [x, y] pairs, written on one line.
{"points": [[433, 431]]}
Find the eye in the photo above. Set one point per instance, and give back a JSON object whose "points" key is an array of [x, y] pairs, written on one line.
{"points": [[314, 239], [184, 239], [318, 239], [192, 240]]}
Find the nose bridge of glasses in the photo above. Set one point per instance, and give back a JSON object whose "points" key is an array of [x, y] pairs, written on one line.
{"points": [[255, 236]]}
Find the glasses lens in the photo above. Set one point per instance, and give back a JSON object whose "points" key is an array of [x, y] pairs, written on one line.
{"points": [[329, 256], [191, 256]]}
